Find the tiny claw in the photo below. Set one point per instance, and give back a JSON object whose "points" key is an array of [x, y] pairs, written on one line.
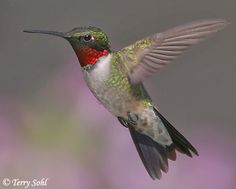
{"points": [[132, 118]]}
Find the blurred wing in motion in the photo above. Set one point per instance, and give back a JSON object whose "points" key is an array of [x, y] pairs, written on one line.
{"points": [[157, 50]]}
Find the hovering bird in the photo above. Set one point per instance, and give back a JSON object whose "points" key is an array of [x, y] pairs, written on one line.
{"points": [[115, 78]]}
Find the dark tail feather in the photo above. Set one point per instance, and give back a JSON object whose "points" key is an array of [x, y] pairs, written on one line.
{"points": [[180, 142], [153, 155]]}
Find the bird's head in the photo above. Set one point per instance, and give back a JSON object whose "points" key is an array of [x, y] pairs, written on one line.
{"points": [[89, 43]]}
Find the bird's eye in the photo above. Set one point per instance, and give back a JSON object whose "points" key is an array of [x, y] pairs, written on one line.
{"points": [[87, 38]]}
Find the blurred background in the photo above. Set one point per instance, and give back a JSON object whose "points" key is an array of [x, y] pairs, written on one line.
{"points": [[52, 127]]}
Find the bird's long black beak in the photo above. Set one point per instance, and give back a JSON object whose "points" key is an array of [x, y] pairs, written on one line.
{"points": [[55, 33]]}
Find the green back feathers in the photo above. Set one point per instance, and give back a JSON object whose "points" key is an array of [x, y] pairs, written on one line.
{"points": [[118, 79]]}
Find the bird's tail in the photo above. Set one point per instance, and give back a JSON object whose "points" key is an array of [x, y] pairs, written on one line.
{"points": [[155, 156], [180, 142]]}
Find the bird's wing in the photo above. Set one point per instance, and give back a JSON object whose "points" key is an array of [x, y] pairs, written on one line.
{"points": [[151, 53]]}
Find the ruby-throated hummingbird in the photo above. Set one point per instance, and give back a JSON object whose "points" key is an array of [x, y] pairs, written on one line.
{"points": [[115, 78]]}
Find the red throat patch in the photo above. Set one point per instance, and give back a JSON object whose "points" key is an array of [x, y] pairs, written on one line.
{"points": [[88, 56]]}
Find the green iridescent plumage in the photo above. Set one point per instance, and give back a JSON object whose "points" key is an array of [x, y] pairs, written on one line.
{"points": [[118, 79], [130, 54]]}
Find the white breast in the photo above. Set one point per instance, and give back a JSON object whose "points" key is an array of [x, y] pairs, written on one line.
{"points": [[96, 77], [114, 99], [101, 70]]}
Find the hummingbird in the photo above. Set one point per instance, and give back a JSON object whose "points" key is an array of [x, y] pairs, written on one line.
{"points": [[116, 80]]}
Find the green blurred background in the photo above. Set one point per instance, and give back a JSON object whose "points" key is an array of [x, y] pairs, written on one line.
{"points": [[52, 127]]}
